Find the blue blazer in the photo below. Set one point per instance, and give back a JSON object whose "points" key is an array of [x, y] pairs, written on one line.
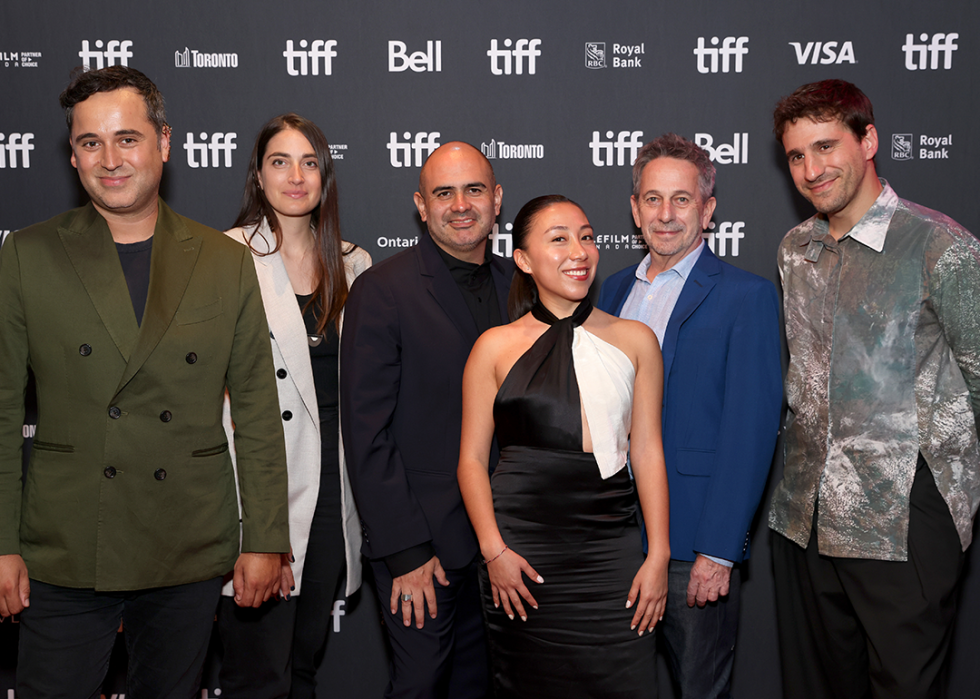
{"points": [[722, 402]]}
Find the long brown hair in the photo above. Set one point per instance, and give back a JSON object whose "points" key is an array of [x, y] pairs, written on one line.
{"points": [[330, 292]]}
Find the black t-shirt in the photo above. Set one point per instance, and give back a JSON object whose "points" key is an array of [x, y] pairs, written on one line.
{"points": [[135, 260]]}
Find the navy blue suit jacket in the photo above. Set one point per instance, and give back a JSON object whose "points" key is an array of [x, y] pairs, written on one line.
{"points": [[722, 402], [407, 335]]}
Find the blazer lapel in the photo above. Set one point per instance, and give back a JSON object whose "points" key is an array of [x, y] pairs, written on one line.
{"points": [[93, 254], [175, 253], [441, 285], [699, 284]]}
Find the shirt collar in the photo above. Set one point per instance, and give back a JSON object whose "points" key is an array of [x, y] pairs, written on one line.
{"points": [[872, 229], [682, 268]]}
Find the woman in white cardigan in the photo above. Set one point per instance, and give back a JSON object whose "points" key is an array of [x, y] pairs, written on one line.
{"points": [[289, 220]]}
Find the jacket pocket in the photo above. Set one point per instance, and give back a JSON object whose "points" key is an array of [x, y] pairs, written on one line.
{"points": [[695, 462], [50, 446], [212, 451], [188, 316]]}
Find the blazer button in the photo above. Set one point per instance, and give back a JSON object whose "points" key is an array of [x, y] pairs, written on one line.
{"points": [[165, 416], [159, 474], [85, 350], [115, 413], [191, 357], [286, 415], [281, 373], [109, 472]]}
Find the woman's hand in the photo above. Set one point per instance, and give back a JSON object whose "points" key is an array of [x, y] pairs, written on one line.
{"points": [[286, 582], [649, 594], [507, 583]]}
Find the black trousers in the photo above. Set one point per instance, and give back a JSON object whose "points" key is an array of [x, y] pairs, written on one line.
{"points": [[67, 634], [861, 628]]}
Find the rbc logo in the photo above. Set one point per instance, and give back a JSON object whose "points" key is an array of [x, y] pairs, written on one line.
{"points": [[814, 49], [595, 54], [421, 61], [421, 146], [940, 44], [16, 143], [730, 47], [902, 146], [197, 153], [116, 53], [309, 61], [718, 240], [602, 151], [524, 48]]}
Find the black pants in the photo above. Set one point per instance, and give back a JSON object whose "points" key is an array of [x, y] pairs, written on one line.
{"points": [[67, 634], [861, 628]]}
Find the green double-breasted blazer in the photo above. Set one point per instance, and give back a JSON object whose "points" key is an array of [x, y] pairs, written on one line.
{"points": [[130, 484]]}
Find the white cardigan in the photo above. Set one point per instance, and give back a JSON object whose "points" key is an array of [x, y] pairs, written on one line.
{"points": [[290, 352]]}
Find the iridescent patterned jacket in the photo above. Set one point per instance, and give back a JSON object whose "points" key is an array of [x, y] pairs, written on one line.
{"points": [[883, 329]]}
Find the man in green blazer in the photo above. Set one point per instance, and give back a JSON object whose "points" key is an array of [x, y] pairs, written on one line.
{"points": [[134, 321]]}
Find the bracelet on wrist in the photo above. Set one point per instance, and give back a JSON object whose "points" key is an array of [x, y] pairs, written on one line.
{"points": [[497, 556]]}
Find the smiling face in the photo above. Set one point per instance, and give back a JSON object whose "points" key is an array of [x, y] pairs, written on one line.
{"points": [[560, 255], [832, 167], [669, 212], [459, 200], [117, 153], [289, 174]]}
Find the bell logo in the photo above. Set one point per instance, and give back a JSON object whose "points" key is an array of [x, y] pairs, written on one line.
{"points": [[309, 61], [734, 153], [197, 153], [116, 53], [421, 146], [429, 60], [824, 53], [708, 58], [514, 58], [727, 232], [16, 143], [919, 56], [603, 151]]}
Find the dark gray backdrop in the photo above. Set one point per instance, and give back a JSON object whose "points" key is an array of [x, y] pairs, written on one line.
{"points": [[558, 94]]}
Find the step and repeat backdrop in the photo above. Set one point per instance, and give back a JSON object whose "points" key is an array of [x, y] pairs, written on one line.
{"points": [[559, 96]]}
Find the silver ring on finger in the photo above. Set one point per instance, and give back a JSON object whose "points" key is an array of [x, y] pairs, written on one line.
{"points": [[406, 598]]}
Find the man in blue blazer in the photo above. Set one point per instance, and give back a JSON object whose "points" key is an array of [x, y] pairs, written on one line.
{"points": [[719, 331], [410, 324]]}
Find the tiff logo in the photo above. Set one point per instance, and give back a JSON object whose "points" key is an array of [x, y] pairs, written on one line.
{"points": [[502, 244], [421, 146], [197, 153], [399, 60], [116, 53], [940, 44], [336, 613], [16, 143], [513, 59], [603, 151], [309, 61], [730, 47], [728, 232]]}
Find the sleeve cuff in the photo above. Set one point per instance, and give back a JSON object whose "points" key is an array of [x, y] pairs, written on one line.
{"points": [[719, 561], [408, 560]]}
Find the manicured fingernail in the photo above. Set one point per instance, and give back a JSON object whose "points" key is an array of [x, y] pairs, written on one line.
{"points": [[523, 618], [641, 632], [633, 627], [511, 617], [629, 603], [287, 598], [534, 606], [292, 587], [496, 604], [292, 558], [540, 579]]}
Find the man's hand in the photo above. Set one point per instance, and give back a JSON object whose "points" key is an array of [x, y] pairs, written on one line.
{"points": [[257, 576], [709, 581], [15, 587], [418, 585]]}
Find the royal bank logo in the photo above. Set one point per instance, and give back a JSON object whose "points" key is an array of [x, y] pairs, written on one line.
{"points": [[191, 58], [300, 61], [902, 146], [414, 149], [219, 145], [400, 60], [338, 150], [823, 52], [20, 59], [723, 238], [495, 149], [116, 53], [595, 54], [925, 56], [618, 149], [507, 60], [14, 148], [726, 57], [734, 153]]}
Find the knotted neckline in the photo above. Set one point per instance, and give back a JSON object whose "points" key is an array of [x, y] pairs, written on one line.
{"points": [[579, 315]]}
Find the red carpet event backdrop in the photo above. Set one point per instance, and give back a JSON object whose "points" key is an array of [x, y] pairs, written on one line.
{"points": [[559, 96]]}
